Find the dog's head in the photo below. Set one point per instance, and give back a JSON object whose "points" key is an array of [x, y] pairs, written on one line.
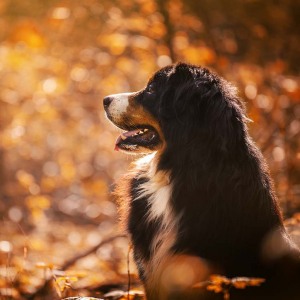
{"points": [[181, 106]]}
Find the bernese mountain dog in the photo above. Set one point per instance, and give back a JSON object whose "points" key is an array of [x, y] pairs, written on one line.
{"points": [[200, 200]]}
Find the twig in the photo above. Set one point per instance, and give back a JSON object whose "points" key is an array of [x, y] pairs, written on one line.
{"points": [[74, 259], [43, 289], [128, 272]]}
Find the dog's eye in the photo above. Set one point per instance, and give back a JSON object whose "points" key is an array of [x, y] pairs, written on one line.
{"points": [[150, 88]]}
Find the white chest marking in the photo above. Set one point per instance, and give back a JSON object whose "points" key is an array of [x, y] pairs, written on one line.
{"points": [[159, 203], [158, 191]]}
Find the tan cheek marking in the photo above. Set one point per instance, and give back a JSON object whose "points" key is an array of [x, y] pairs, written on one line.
{"points": [[136, 114]]}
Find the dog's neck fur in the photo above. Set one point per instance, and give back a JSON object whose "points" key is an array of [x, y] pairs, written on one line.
{"points": [[169, 216], [234, 225], [167, 195]]}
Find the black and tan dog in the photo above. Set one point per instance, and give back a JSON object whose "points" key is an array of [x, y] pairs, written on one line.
{"points": [[201, 200]]}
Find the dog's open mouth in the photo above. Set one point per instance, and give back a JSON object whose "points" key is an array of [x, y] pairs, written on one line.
{"points": [[136, 139]]}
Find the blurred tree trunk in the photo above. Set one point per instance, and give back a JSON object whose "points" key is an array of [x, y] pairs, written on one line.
{"points": [[2, 167], [1, 172], [2, 182], [169, 37]]}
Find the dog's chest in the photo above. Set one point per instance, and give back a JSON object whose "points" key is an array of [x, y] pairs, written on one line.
{"points": [[151, 223]]}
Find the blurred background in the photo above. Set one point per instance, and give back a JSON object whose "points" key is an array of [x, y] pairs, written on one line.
{"points": [[59, 58]]}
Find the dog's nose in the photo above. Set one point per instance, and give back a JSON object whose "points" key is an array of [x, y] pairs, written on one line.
{"points": [[106, 101]]}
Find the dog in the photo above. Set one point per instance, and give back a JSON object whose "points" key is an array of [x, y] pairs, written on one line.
{"points": [[200, 200]]}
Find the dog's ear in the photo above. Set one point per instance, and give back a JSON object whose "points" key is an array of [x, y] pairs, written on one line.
{"points": [[200, 104], [223, 120], [174, 102]]}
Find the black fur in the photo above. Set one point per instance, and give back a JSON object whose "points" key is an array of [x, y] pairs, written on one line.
{"points": [[221, 185]]}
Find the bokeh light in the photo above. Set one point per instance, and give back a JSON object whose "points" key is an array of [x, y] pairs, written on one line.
{"points": [[58, 59]]}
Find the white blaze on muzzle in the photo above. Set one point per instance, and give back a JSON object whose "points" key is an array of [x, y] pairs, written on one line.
{"points": [[118, 105]]}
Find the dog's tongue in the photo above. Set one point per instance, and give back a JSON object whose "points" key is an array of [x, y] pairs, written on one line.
{"points": [[124, 136]]}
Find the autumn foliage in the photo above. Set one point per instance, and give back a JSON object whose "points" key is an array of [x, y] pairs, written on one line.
{"points": [[58, 59]]}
